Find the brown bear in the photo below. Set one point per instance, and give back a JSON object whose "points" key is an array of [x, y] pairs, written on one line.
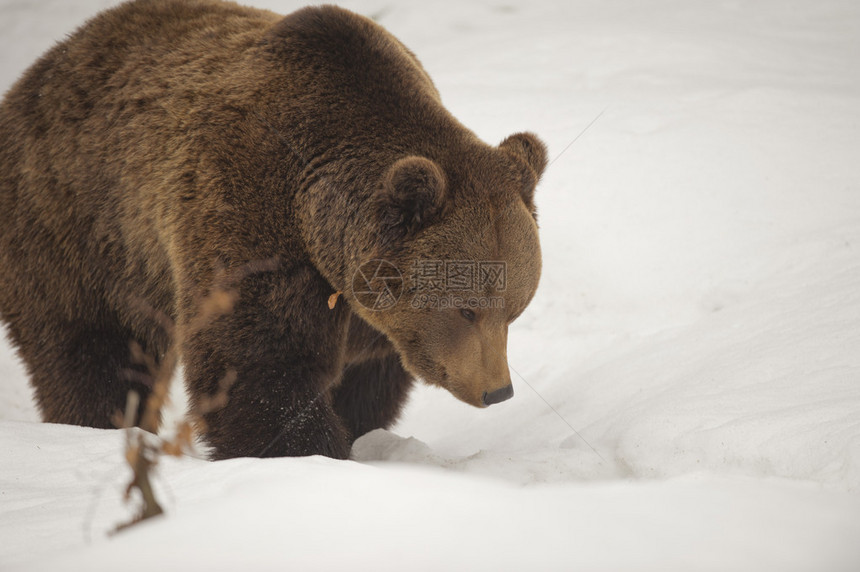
{"points": [[168, 144]]}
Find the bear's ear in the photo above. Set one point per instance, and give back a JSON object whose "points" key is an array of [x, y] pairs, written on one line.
{"points": [[528, 149], [413, 194]]}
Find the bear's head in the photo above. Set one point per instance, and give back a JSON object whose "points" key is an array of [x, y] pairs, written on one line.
{"points": [[458, 260]]}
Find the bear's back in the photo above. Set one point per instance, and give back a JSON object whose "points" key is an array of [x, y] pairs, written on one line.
{"points": [[150, 75]]}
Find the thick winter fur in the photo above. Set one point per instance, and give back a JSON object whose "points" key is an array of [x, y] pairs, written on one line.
{"points": [[167, 143]]}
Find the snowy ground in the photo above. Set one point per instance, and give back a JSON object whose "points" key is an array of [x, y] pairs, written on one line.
{"points": [[687, 379]]}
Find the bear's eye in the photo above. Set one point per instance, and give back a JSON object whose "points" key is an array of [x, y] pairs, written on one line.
{"points": [[468, 314]]}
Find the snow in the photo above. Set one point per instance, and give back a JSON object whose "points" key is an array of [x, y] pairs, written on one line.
{"points": [[319, 514], [687, 378]]}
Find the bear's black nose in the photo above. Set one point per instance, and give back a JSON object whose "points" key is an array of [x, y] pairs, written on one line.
{"points": [[498, 395]]}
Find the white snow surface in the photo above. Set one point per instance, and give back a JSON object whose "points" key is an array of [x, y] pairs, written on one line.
{"points": [[687, 378]]}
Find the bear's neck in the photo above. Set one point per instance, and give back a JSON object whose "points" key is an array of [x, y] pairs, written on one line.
{"points": [[336, 218]]}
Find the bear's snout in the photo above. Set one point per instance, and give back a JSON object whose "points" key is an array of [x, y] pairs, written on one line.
{"points": [[498, 395]]}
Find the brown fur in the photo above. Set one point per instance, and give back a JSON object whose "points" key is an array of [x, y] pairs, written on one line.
{"points": [[167, 141]]}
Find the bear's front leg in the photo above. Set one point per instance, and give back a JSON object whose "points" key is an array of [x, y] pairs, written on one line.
{"points": [[372, 394], [284, 347]]}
